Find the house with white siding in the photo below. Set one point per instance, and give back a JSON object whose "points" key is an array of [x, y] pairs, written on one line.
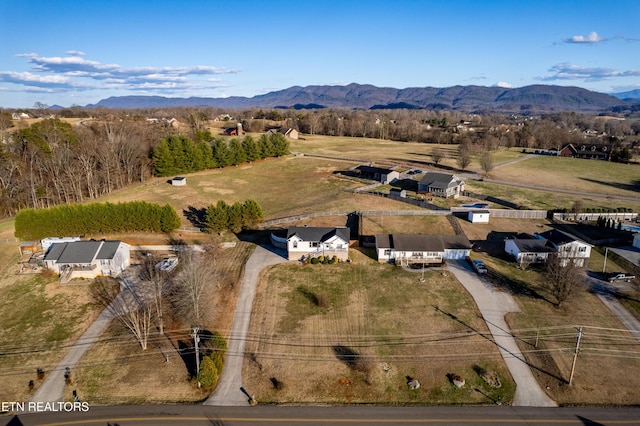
{"points": [[405, 249], [303, 241]]}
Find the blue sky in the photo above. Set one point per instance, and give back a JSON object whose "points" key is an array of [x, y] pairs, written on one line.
{"points": [[77, 52]]}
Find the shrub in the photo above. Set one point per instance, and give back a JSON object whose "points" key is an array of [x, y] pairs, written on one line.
{"points": [[314, 260], [208, 375]]}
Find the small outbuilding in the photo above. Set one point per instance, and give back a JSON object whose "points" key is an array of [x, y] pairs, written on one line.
{"points": [[397, 193], [179, 181], [478, 216], [29, 247]]}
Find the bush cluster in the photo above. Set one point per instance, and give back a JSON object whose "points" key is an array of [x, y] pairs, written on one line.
{"points": [[96, 218], [324, 260], [235, 218]]}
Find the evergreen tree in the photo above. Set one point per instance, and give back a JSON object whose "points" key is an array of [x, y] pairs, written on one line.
{"points": [[280, 144], [208, 374], [266, 147], [251, 149], [236, 217], [237, 153], [221, 154], [217, 217], [163, 162], [252, 214]]}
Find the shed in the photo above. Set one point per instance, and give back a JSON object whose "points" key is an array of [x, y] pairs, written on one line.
{"points": [[29, 247], [478, 216], [397, 193], [179, 181]]}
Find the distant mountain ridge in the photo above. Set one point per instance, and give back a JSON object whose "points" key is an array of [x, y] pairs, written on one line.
{"points": [[528, 99]]}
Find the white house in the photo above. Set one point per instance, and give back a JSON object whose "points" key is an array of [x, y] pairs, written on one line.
{"points": [[478, 216], [49, 241], [567, 246], [444, 185], [313, 241], [527, 249], [404, 249], [88, 259]]}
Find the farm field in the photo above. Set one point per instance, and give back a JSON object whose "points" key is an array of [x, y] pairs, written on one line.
{"points": [[574, 174], [283, 187], [356, 332]]}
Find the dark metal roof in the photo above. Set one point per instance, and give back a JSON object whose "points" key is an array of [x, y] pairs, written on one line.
{"points": [[559, 237], [533, 245], [108, 250], [318, 234], [82, 251], [440, 180], [373, 170], [421, 242]]}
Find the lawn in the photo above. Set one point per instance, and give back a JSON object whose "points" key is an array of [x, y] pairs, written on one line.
{"points": [[283, 187], [574, 174], [607, 347], [355, 333]]}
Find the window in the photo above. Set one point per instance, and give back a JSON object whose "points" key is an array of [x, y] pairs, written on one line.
{"points": [[387, 252], [314, 244], [582, 249], [295, 244]]}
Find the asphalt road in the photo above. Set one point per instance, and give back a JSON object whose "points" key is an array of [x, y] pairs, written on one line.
{"points": [[340, 415]]}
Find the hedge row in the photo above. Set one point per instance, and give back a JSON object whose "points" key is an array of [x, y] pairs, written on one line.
{"points": [[95, 218]]}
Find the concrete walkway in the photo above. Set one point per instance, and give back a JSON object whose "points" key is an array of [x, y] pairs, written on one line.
{"points": [[228, 392], [52, 389], [494, 305]]}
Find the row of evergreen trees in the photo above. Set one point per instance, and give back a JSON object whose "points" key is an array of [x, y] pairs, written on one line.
{"points": [[234, 218], [179, 154], [95, 218]]}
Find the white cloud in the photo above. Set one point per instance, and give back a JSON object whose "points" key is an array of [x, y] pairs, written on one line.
{"points": [[592, 37], [503, 84], [567, 71], [74, 72]]}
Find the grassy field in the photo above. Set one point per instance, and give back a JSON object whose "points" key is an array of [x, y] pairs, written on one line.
{"points": [[359, 330], [283, 187], [385, 150], [574, 174], [607, 348]]}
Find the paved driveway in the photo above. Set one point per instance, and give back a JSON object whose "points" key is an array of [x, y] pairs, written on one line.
{"points": [[494, 305]]}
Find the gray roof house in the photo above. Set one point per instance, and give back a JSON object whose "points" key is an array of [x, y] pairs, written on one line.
{"points": [[444, 185], [567, 246], [303, 241], [418, 248], [379, 174], [527, 249], [88, 259]]}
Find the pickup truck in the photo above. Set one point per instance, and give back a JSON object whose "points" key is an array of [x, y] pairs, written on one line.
{"points": [[620, 276]]}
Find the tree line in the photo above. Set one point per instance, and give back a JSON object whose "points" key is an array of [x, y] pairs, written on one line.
{"points": [[96, 218], [178, 154]]}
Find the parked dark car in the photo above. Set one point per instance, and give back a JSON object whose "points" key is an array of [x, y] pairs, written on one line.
{"points": [[479, 266]]}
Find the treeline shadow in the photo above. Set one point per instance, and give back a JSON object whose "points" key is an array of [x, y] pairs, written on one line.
{"points": [[197, 217], [633, 186]]}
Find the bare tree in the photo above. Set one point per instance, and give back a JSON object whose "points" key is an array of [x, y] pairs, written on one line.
{"points": [[486, 162], [437, 155], [192, 287], [127, 306], [464, 158], [561, 276], [154, 283]]}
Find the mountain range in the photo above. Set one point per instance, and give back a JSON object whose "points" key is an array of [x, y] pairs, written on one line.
{"points": [[479, 99]]}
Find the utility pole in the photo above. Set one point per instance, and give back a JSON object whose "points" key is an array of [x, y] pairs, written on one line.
{"points": [[196, 340], [575, 355]]}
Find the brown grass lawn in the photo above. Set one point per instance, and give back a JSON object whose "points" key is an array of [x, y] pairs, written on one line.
{"points": [[283, 187], [116, 370], [351, 333], [406, 225], [607, 348], [574, 174]]}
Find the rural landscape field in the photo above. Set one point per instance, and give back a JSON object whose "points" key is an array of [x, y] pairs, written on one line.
{"points": [[353, 332]]}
